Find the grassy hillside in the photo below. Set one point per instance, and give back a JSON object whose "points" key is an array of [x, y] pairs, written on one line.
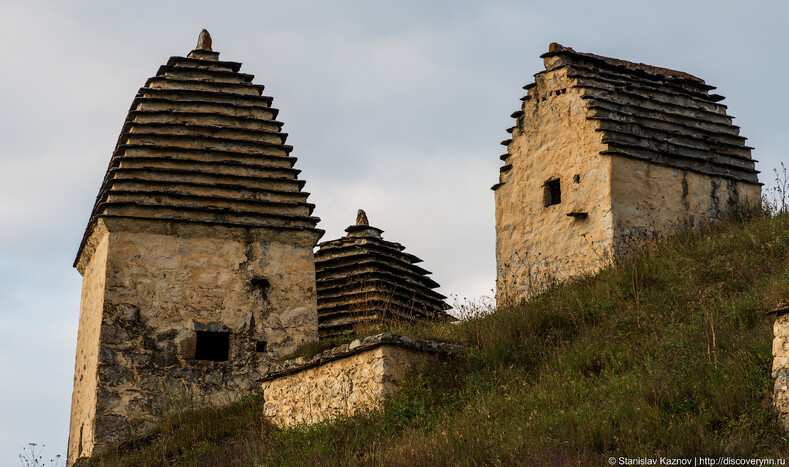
{"points": [[666, 354]]}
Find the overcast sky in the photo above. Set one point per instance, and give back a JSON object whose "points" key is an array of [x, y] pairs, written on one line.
{"points": [[394, 107]]}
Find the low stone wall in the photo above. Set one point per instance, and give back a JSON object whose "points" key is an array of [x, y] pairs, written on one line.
{"points": [[781, 365], [346, 379]]}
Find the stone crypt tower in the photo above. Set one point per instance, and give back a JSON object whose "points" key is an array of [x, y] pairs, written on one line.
{"points": [[605, 154], [362, 279], [197, 261]]}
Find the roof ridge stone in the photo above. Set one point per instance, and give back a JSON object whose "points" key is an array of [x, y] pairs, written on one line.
{"points": [[557, 49]]}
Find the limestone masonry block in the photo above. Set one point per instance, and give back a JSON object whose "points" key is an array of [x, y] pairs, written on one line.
{"points": [[781, 364], [346, 380]]}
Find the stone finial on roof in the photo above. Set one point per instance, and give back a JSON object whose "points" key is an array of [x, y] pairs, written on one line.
{"points": [[557, 47], [204, 41], [361, 218]]}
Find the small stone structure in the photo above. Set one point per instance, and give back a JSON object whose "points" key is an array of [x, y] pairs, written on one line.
{"points": [[605, 153], [197, 261], [781, 361], [346, 379], [363, 278]]}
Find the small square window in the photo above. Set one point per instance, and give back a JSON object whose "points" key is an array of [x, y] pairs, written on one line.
{"points": [[212, 346], [552, 192], [260, 346], [262, 285]]}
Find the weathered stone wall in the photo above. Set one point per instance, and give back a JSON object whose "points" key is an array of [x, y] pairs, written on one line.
{"points": [[83, 399], [164, 282], [347, 379], [552, 140], [635, 150], [781, 368], [342, 387], [651, 199]]}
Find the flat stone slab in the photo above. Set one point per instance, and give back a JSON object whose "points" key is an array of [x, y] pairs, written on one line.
{"points": [[358, 346]]}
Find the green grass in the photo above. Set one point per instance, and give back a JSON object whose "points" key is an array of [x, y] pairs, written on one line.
{"points": [[667, 354]]}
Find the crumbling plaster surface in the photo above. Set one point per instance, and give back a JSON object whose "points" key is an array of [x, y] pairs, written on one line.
{"points": [[536, 244], [164, 282], [649, 199]]}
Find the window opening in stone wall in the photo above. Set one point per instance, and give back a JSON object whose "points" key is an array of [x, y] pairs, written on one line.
{"points": [[552, 193], [212, 346], [260, 346], [577, 178], [262, 285]]}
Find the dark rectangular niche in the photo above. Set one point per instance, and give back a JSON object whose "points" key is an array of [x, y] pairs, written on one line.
{"points": [[262, 285], [552, 192], [212, 346], [260, 346]]}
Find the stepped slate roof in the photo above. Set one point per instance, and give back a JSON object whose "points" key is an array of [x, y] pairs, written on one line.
{"points": [[653, 114], [361, 277], [201, 144]]}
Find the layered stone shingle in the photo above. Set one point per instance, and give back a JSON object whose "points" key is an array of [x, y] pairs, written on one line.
{"points": [[363, 278], [201, 144], [649, 113]]}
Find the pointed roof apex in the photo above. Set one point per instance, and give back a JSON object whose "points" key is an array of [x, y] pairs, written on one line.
{"points": [[203, 50], [362, 228], [227, 159], [204, 41], [361, 218]]}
